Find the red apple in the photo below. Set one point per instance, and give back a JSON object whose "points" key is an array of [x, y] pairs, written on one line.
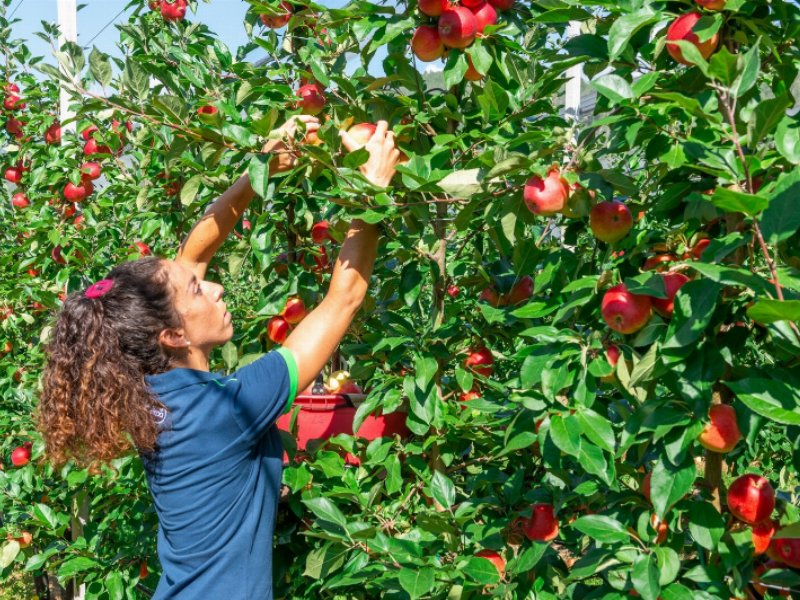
{"points": [[485, 15], [426, 43], [610, 221], [13, 102], [92, 147], [480, 360], [21, 455], [751, 499], [495, 558], [491, 296], [312, 100], [208, 114], [762, 535], [699, 248], [546, 197], [20, 200], [174, 11], [53, 134], [661, 527], [721, 433], [86, 134], [143, 572], [55, 253], [457, 27], [767, 566], [658, 262], [433, 8], [11, 88], [294, 311], [13, 174], [14, 127], [472, 4], [361, 133], [612, 355], [278, 329], [672, 283], [76, 193], [785, 550], [90, 171], [24, 540], [142, 248], [520, 291], [280, 19], [542, 526], [625, 312], [682, 29], [470, 395], [320, 232], [645, 489], [502, 4], [452, 291]]}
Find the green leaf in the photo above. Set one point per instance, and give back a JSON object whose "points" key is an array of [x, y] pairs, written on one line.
{"points": [[669, 483], [323, 561], [694, 307], [442, 489], [417, 582], [731, 201], [481, 58], [71, 567], [410, 283], [787, 139], [190, 188], [171, 106], [115, 586], [766, 117], [482, 570], [136, 79], [669, 564], [613, 87], [394, 478], [782, 219], [676, 591], [258, 174], [455, 69], [706, 524], [644, 577], [8, 554], [775, 400], [623, 29], [566, 434], [768, 310], [100, 67], [602, 528], [749, 65], [326, 510], [46, 515], [597, 429]]}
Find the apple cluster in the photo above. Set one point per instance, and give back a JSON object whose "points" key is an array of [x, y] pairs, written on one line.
{"points": [[279, 326], [456, 26], [171, 10]]}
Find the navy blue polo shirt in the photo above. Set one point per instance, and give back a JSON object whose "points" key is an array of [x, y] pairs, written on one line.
{"points": [[216, 476]]}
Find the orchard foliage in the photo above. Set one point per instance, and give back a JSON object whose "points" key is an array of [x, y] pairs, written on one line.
{"points": [[569, 467]]}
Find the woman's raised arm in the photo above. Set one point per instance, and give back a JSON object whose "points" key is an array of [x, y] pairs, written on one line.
{"points": [[215, 225]]}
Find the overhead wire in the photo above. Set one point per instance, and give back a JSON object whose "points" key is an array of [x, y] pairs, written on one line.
{"points": [[114, 18], [16, 9]]}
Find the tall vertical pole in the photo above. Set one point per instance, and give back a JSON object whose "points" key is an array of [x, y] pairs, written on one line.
{"points": [[68, 26], [572, 93]]}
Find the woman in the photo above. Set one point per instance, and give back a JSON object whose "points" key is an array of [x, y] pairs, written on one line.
{"points": [[128, 365]]}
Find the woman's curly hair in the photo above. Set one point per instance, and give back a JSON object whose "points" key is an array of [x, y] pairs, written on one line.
{"points": [[95, 403]]}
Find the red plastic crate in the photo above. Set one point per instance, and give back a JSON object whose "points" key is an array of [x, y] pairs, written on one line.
{"points": [[323, 416]]}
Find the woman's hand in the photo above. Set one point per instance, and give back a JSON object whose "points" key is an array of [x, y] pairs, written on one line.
{"points": [[383, 154], [282, 144]]}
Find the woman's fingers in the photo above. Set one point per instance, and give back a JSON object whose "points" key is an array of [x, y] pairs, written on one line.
{"points": [[348, 141]]}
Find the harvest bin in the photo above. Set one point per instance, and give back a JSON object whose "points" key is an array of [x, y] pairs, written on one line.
{"points": [[323, 416]]}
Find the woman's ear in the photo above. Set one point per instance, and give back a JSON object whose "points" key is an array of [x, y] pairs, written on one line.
{"points": [[173, 339]]}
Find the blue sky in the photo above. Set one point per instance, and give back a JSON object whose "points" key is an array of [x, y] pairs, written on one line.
{"points": [[97, 18]]}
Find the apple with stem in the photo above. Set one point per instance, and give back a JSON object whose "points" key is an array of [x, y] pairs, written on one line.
{"points": [[751, 498], [610, 221], [457, 27], [546, 196], [495, 558], [625, 312]]}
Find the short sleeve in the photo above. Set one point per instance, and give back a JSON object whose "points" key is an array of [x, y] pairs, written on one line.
{"points": [[266, 389]]}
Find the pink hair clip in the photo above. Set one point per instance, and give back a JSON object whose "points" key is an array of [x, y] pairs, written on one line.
{"points": [[100, 288]]}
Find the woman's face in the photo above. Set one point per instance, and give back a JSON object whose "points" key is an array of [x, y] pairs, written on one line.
{"points": [[206, 320]]}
